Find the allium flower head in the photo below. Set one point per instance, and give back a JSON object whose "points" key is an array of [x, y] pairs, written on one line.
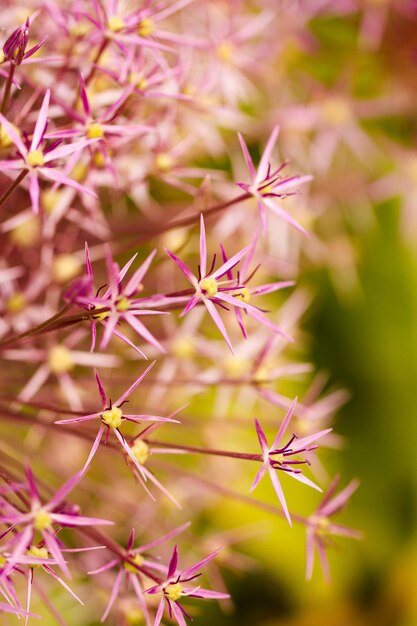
{"points": [[268, 185], [320, 528], [278, 457], [175, 587], [14, 49]]}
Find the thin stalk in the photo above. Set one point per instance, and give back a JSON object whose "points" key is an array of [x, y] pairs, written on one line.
{"points": [[13, 186], [210, 451], [7, 89]]}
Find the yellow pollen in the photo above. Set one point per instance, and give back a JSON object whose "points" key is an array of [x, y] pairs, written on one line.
{"points": [[209, 286], [49, 199], [137, 560], [38, 553], [79, 172], [27, 233], [3, 561], [102, 316], [95, 131], [336, 111], [115, 23], [174, 591], [140, 451], [79, 30], [123, 304], [235, 367], [112, 417], [261, 376], [42, 520], [60, 360], [265, 191], [164, 162], [99, 159], [2, 56], [35, 158], [146, 27], [16, 303], [138, 80], [244, 295], [65, 267], [134, 616], [225, 51], [182, 347], [321, 523], [5, 139]]}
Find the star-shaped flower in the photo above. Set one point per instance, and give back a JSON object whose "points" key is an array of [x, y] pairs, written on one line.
{"points": [[267, 185], [278, 457]]}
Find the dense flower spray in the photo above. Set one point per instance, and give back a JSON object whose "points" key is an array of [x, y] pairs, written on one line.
{"points": [[132, 229]]}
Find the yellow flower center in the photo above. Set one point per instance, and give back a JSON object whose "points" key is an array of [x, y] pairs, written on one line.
{"points": [[182, 347], [336, 111], [112, 417], [138, 79], [209, 286], [65, 267], [261, 376], [27, 233], [42, 520], [5, 139], [174, 591], [49, 199], [244, 295], [321, 523], [102, 316], [123, 304], [95, 131], [137, 560], [225, 51], [140, 451], [115, 23], [79, 172], [99, 159], [164, 162], [16, 303], [38, 553], [235, 367], [35, 158], [146, 27], [60, 360], [3, 561]]}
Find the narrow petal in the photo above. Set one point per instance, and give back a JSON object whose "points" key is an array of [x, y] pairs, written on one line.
{"points": [[114, 594], [309, 553], [278, 490], [247, 156], [11, 132], [173, 563], [259, 475], [183, 267], [234, 260], [266, 156], [218, 321], [304, 442], [41, 122], [34, 191], [284, 425], [132, 387], [59, 177], [261, 436], [203, 248]]}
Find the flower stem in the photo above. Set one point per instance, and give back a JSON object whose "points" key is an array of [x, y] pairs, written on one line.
{"points": [[13, 186], [193, 449], [7, 89]]}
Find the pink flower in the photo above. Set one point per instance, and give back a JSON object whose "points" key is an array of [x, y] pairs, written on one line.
{"points": [[267, 185], [121, 302], [37, 161], [41, 518], [111, 417], [279, 458], [15, 47], [130, 569], [173, 588], [208, 288], [319, 527]]}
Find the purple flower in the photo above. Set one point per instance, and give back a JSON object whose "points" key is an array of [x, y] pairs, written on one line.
{"points": [[15, 47], [36, 160], [111, 417], [173, 589], [267, 185], [41, 518], [319, 527], [208, 287], [278, 457], [130, 569]]}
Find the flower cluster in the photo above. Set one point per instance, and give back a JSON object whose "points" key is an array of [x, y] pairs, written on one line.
{"points": [[152, 251]]}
